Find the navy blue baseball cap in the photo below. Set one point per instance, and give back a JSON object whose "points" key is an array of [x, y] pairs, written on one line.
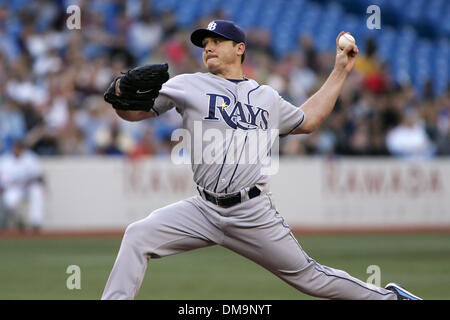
{"points": [[224, 28]]}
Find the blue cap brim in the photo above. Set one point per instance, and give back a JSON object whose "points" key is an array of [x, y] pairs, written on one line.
{"points": [[198, 35]]}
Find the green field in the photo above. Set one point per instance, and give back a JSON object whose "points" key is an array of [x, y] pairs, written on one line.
{"points": [[36, 268]]}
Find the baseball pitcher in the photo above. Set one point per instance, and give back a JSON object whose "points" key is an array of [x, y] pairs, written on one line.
{"points": [[234, 207]]}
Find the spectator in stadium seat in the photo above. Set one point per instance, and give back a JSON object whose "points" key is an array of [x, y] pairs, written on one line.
{"points": [[409, 138], [12, 124], [145, 146]]}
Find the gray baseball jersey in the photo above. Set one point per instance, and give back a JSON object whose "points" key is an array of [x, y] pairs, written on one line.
{"points": [[253, 227], [236, 110]]}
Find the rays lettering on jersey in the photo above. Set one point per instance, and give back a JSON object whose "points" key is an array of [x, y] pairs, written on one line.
{"points": [[240, 116]]}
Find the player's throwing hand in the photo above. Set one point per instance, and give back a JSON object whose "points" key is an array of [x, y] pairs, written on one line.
{"points": [[345, 58]]}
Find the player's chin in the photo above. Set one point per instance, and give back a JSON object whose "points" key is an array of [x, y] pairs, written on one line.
{"points": [[213, 69], [212, 65]]}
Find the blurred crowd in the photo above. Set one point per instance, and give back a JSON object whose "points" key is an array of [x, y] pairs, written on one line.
{"points": [[53, 80]]}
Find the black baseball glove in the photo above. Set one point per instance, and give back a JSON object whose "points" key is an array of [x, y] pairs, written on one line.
{"points": [[137, 88]]}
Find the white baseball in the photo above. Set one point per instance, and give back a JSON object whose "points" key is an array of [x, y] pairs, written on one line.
{"points": [[345, 40]]}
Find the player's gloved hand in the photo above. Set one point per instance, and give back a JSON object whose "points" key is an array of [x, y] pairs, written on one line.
{"points": [[137, 89]]}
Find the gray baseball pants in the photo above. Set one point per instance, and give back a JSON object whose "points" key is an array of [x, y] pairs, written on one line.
{"points": [[252, 228]]}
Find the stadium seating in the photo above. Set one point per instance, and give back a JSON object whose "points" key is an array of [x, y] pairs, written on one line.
{"points": [[413, 41]]}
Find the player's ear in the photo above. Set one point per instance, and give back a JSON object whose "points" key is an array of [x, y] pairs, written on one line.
{"points": [[241, 50], [241, 47]]}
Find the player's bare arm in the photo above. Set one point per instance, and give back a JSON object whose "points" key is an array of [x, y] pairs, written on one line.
{"points": [[318, 107], [135, 115]]}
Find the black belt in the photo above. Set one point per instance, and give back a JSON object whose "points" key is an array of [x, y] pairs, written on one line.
{"points": [[230, 200]]}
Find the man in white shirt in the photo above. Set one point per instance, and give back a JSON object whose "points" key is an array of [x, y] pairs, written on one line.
{"points": [[21, 183], [409, 139]]}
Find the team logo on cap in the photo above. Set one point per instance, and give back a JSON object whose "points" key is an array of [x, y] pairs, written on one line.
{"points": [[212, 26]]}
